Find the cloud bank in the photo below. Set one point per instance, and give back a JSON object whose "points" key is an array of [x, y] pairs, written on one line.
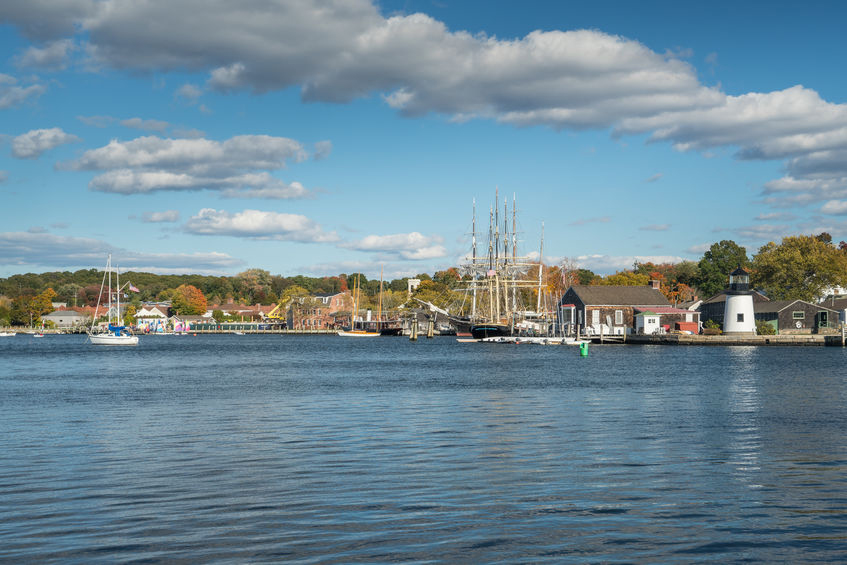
{"points": [[237, 167]]}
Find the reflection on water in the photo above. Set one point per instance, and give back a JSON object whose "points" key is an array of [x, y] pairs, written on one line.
{"points": [[316, 449]]}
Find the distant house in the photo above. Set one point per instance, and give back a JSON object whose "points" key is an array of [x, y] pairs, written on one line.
{"points": [[609, 309], [670, 318], [67, 318], [713, 308], [152, 316], [796, 316], [838, 304], [319, 312]]}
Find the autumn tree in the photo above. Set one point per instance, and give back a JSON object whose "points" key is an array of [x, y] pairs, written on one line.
{"points": [[801, 267], [188, 300], [721, 259]]}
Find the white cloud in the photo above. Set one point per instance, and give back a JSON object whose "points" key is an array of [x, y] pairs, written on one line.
{"points": [[608, 264], [656, 227], [32, 144], [65, 253], [189, 92], [257, 224], [410, 246], [835, 208], [147, 125], [322, 150], [53, 56], [159, 217], [11, 94], [237, 167], [340, 51], [96, 121], [4, 176]]}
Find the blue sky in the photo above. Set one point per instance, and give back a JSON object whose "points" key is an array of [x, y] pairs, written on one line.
{"points": [[325, 137]]}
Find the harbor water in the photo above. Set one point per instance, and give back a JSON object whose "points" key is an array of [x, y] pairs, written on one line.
{"points": [[321, 449]]}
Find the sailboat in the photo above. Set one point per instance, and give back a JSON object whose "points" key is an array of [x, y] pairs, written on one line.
{"points": [[117, 333], [353, 332]]}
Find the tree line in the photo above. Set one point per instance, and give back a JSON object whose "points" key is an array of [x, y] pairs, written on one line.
{"points": [[799, 267]]}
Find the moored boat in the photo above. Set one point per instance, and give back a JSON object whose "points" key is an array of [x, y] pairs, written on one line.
{"points": [[115, 332]]}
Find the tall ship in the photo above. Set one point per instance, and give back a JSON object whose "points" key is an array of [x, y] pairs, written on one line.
{"points": [[498, 281]]}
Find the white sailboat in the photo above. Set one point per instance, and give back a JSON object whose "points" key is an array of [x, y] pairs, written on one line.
{"points": [[116, 333]]}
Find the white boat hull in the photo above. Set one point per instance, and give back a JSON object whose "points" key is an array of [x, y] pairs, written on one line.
{"points": [[112, 339], [358, 333]]}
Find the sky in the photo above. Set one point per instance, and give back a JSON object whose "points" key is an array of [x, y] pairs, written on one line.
{"points": [[327, 137]]}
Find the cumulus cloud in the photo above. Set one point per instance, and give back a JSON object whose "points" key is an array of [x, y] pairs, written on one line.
{"points": [[257, 224], [340, 51], [32, 144], [159, 217], [52, 56], [65, 253], [410, 246], [12, 94], [235, 167], [835, 208]]}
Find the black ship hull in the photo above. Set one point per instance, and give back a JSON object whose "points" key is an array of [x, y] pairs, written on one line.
{"points": [[482, 331]]}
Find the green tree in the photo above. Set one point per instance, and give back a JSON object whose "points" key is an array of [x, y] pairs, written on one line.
{"points": [[801, 267], [721, 259], [626, 278]]}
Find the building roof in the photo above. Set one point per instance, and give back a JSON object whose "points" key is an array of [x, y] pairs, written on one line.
{"points": [[612, 295], [666, 310], [721, 297], [780, 305], [836, 303], [65, 314]]}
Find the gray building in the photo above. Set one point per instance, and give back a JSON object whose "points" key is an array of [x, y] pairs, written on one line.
{"points": [[66, 318]]}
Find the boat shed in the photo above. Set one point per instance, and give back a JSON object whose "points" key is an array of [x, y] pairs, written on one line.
{"points": [[611, 309], [66, 318], [796, 316]]}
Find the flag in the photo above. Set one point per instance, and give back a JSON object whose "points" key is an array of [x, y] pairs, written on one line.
{"points": [[133, 288]]}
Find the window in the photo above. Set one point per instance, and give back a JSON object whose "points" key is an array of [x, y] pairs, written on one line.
{"points": [[740, 318], [618, 317], [798, 315], [595, 316]]}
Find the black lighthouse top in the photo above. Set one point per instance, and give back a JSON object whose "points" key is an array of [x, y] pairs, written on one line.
{"points": [[739, 282]]}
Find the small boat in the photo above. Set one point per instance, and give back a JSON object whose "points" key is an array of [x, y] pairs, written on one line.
{"points": [[115, 333], [358, 333], [38, 335], [353, 331], [236, 332], [8, 334]]}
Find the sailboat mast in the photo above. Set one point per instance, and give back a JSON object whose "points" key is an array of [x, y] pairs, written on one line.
{"points": [[379, 307], [496, 229], [540, 269], [109, 267], [473, 262], [118, 319]]}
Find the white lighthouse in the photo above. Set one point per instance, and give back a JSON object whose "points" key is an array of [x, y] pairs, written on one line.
{"points": [[738, 317]]}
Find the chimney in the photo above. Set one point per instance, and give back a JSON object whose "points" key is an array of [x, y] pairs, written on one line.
{"points": [[655, 284]]}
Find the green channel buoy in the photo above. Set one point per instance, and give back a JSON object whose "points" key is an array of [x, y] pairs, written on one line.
{"points": [[583, 349]]}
